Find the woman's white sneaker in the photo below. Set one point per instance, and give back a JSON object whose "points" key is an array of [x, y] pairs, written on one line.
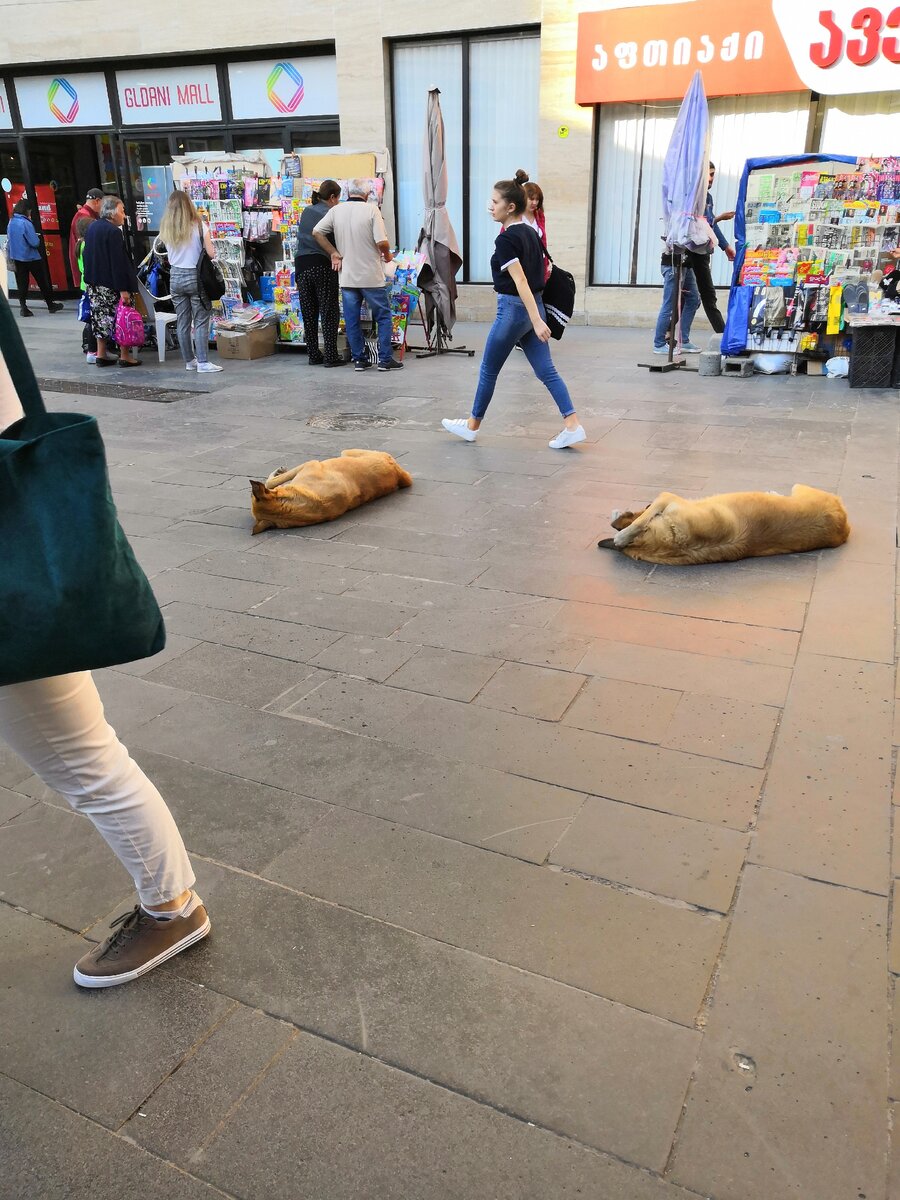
{"points": [[191, 366], [460, 427], [207, 367], [568, 437]]}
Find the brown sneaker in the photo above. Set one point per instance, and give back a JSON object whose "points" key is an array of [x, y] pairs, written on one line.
{"points": [[137, 944]]}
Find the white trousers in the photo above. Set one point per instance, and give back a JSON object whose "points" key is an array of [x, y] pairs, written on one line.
{"points": [[57, 726]]}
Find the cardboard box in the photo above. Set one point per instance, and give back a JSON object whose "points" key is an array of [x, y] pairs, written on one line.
{"points": [[252, 343]]}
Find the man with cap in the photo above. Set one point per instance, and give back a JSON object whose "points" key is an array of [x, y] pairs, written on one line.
{"points": [[89, 211]]}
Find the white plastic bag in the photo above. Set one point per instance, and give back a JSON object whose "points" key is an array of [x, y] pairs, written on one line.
{"points": [[771, 364], [837, 368]]}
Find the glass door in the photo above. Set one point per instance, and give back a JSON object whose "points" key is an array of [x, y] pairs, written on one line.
{"points": [[12, 188]]}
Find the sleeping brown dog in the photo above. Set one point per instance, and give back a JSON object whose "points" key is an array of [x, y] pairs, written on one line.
{"points": [[728, 527], [321, 491]]}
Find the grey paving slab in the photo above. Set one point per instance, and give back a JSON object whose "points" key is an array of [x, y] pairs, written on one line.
{"points": [[282, 544], [54, 863], [490, 634], [79, 1047], [365, 657], [773, 647], [158, 554], [414, 565], [827, 805], [283, 572], [143, 524], [231, 674], [873, 537], [52, 1152], [679, 670], [175, 646], [343, 613], [447, 673], [531, 691], [843, 590], [774, 1108], [129, 701], [189, 587], [462, 800], [683, 784], [894, 1084], [473, 1025], [205, 534], [543, 648], [356, 705], [248, 631], [12, 803], [654, 852], [638, 711], [510, 911], [733, 730], [893, 1191], [389, 538], [404, 1131]]}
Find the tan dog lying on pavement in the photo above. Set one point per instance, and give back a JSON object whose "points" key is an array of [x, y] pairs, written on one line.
{"points": [[728, 527], [321, 491]]}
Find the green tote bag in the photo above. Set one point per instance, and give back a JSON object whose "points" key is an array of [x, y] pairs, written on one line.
{"points": [[72, 596]]}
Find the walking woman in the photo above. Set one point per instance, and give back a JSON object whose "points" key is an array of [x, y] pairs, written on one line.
{"points": [[185, 238], [517, 268], [109, 276], [24, 249], [317, 283]]}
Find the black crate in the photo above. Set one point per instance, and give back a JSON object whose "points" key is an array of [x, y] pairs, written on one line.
{"points": [[872, 356], [895, 373]]}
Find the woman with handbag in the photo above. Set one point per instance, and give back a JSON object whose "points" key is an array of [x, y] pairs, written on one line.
{"points": [[517, 267], [187, 241], [73, 597], [110, 279], [317, 283]]}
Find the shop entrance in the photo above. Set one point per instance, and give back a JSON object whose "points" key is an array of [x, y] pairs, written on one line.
{"points": [[62, 169], [12, 182]]}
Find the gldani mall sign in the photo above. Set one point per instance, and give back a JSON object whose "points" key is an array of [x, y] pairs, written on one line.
{"points": [[650, 52]]}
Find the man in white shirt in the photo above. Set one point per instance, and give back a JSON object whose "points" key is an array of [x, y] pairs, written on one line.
{"points": [[353, 234]]}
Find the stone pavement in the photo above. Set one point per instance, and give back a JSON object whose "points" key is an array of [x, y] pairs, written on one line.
{"points": [[534, 872]]}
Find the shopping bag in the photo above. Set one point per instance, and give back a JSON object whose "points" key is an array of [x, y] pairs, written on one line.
{"points": [[129, 326], [84, 308], [72, 596], [210, 280], [558, 297]]}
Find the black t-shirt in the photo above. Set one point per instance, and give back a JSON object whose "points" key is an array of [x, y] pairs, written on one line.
{"points": [[518, 241]]}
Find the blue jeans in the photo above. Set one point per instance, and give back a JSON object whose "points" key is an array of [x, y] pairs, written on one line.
{"points": [[690, 302], [512, 325], [379, 306]]}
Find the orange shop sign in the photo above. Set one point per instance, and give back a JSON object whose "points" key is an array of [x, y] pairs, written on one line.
{"points": [[649, 52]]}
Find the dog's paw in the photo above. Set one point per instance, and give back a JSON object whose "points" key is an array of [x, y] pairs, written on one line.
{"points": [[614, 515]]}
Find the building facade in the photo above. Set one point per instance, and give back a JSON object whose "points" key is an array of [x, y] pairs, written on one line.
{"points": [[583, 96]]}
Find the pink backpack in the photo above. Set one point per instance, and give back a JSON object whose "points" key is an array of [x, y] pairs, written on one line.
{"points": [[129, 326]]}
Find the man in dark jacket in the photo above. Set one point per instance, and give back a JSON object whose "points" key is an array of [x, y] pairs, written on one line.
{"points": [[90, 211], [699, 261]]}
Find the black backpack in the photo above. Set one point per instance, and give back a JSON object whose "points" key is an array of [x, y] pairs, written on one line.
{"points": [[559, 298]]}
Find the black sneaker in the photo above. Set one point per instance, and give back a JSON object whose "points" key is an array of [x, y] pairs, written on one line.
{"points": [[338, 362], [54, 307], [360, 364], [391, 365], [25, 312]]}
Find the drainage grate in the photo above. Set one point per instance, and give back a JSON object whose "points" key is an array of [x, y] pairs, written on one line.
{"points": [[120, 391], [344, 422]]}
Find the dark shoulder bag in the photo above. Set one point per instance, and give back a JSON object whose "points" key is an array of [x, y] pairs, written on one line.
{"points": [[210, 280], [559, 297], [72, 596]]}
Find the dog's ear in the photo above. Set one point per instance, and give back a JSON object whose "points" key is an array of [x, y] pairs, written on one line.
{"points": [[259, 490]]}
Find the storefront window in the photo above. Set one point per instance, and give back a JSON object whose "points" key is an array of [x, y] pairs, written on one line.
{"points": [[200, 145], [504, 78], [631, 148], [866, 124]]}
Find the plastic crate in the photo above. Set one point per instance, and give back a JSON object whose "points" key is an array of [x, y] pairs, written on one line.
{"points": [[872, 356]]}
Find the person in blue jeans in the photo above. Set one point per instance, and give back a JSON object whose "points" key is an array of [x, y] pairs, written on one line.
{"points": [[517, 269], [23, 248], [690, 302], [380, 308]]}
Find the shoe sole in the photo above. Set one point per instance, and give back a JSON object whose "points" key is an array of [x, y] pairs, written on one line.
{"points": [[456, 433], [104, 981], [400, 368], [568, 445]]}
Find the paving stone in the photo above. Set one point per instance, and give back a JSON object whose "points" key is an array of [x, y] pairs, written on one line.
{"points": [[543, 648], [309, 550], [175, 646], [189, 587], [231, 674], [788, 1096], [473, 1025], [12, 769], [54, 863], [654, 852], [446, 673], [128, 701], [158, 554], [344, 613], [248, 631], [490, 634], [683, 784], [650, 956], [826, 810], [637, 711], [894, 1086], [199, 533], [356, 705], [893, 1191], [52, 1152], [423, 593], [722, 639], [513, 815], [389, 538], [685, 672], [844, 590], [413, 565], [78, 1047], [12, 803], [733, 730], [365, 657], [531, 691], [282, 572]]}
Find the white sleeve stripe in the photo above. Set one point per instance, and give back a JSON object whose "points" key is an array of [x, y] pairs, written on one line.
{"points": [[506, 265]]}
